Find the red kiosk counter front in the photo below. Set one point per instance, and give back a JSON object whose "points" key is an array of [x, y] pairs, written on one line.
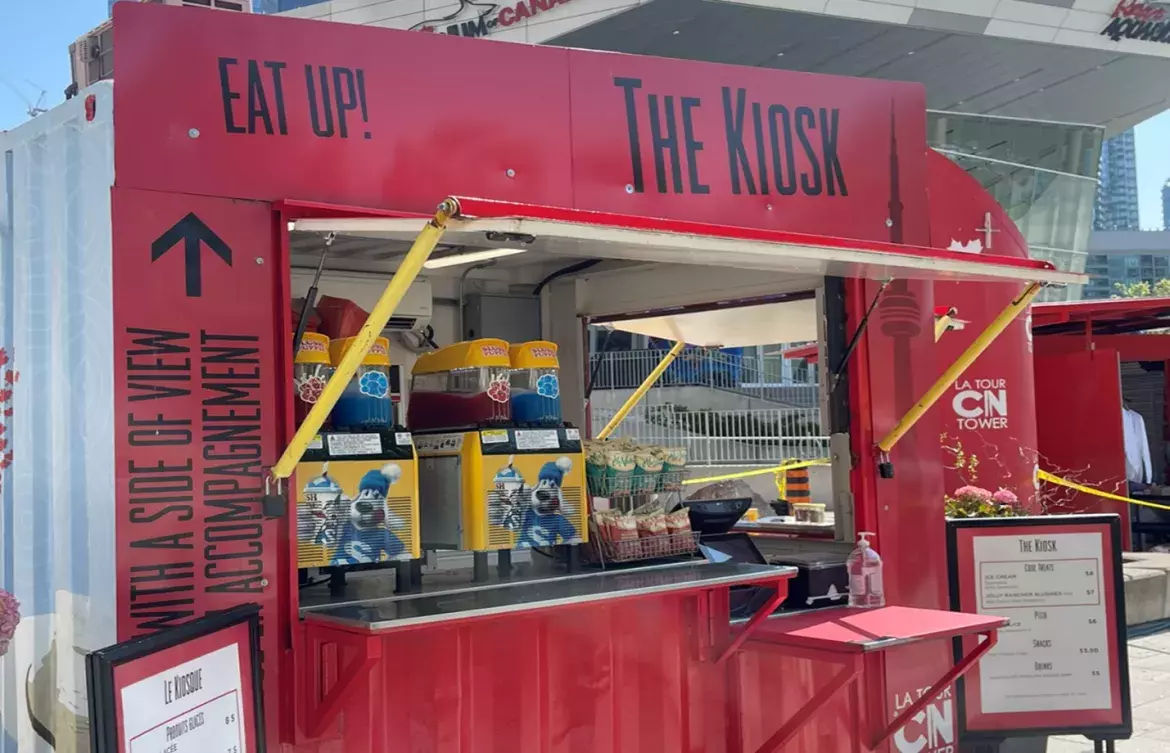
{"points": [[692, 187]]}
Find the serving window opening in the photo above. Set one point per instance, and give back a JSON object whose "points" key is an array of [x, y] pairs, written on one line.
{"points": [[470, 449]]}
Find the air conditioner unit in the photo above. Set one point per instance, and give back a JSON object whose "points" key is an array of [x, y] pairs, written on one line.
{"points": [[91, 57], [413, 313]]}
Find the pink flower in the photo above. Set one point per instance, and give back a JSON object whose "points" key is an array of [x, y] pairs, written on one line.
{"points": [[973, 493], [1005, 497], [9, 617]]}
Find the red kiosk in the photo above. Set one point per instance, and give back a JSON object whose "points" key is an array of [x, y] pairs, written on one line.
{"points": [[699, 187], [1120, 351]]}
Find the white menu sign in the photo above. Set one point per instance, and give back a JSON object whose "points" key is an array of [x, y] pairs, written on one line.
{"points": [[196, 707], [1054, 655]]}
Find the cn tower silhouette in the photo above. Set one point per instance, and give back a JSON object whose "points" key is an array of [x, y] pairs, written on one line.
{"points": [[899, 312]]}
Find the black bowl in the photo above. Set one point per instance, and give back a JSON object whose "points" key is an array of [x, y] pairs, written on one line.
{"points": [[716, 515]]}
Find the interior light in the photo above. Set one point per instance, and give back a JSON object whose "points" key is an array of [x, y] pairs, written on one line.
{"points": [[471, 256], [291, 226]]}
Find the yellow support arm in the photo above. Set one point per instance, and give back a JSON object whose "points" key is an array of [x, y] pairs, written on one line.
{"points": [[961, 364], [642, 390], [411, 265]]}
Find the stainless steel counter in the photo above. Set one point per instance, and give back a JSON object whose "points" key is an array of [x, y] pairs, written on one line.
{"points": [[420, 609]]}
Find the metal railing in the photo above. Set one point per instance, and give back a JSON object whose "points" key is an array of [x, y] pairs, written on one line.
{"points": [[699, 367], [760, 437]]}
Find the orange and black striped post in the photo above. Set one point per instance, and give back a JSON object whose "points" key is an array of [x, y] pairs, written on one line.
{"points": [[796, 485]]}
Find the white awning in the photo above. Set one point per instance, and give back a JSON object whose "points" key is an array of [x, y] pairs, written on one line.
{"points": [[656, 241], [733, 327]]}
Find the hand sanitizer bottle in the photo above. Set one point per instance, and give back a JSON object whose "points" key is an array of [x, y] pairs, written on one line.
{"points": [[865, 575]]}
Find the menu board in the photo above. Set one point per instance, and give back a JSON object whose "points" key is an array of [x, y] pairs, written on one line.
{"points": [[191, 689], [1059, 666]]}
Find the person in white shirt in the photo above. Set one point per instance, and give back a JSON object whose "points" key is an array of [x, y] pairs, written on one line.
{"points": [[1138, 469]]}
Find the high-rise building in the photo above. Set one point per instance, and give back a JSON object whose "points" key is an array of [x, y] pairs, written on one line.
{"points": [[1166, 206], [1117, 199]]}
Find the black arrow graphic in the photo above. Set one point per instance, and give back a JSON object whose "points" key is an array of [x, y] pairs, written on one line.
{"points": [[194, 233]]}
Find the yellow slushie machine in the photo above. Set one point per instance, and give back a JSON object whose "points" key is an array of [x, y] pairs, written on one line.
{"points": [[357, 504], [498, 470]]}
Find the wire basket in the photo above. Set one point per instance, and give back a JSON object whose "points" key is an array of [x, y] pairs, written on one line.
{"points": [[602, 551], [629, 484]]}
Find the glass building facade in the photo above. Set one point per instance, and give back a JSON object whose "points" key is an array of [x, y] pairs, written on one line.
{"points": [[1117, 196], [1110, 270], [1043, 174]]}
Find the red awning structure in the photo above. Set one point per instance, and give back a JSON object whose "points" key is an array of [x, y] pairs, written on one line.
{"points": [[807, 352], [1109, 317]]}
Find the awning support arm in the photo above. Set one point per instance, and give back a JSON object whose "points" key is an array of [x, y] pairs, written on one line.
{"points": [[861, 327], [961, 364], [407, 271], [639, 393]]}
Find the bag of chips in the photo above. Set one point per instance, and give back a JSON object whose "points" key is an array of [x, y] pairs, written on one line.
{"points": [[679, 522]]}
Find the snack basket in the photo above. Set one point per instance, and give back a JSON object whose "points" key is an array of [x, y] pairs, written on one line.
{"points": [[603, 548], [620, 470], [602, 551], [611, 486]]}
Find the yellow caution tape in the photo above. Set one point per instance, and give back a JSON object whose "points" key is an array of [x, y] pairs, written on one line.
{"points": [[758, 472], [1053, 479], [1044, 476]]}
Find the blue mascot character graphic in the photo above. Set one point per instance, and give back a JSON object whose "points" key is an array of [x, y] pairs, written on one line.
{"points": [[367, 535], [544, 521], [505, 501]]}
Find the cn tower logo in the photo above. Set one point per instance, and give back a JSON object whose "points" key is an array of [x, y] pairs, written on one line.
{"points": [[1142, 20]]}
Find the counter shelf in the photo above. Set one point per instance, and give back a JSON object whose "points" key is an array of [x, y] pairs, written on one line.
{"points": [[370, 587], [574, 591], [787, 526], [358, 628], [848, 636]]}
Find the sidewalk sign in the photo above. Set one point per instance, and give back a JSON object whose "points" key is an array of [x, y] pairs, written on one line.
{"points": [[1060, 666], [195, 688]]}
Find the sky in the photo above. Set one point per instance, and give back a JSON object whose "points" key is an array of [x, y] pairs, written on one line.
{"points": [[35, 51], [1153, 165], [35, 57]]}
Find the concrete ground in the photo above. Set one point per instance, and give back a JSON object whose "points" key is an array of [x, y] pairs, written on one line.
{"points": [[1149, 673]]}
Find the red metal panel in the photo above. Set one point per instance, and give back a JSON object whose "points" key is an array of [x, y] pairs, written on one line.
{"points": [[1078, 415], [197, 417], [742, 146], [1131, 347], [424, 114], [427, 115], [623, 678], [988, 413]]}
